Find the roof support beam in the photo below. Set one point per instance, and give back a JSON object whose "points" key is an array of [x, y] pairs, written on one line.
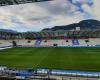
{"points": [[15, 2]]}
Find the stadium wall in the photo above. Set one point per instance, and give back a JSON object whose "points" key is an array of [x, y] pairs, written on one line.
{"points": [[24, 73]]}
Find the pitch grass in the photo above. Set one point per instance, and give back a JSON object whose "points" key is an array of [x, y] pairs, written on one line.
{"points": [[53, 58]]}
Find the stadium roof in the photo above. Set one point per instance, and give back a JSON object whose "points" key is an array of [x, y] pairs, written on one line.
{"points": [[14, 2]]}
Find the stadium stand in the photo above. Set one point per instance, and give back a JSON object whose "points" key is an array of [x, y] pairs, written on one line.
{"points": [[38, 42], [51, 38], [5, 44], [95, 41], [58, 42], [82, 42], [71, 42], [75, 42], [24, 42]]}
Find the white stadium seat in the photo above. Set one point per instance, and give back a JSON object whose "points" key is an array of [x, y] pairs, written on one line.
{"points": [[62, 42]]}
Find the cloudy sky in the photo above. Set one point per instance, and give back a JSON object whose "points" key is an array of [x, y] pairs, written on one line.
{"points": [[36, 16]]}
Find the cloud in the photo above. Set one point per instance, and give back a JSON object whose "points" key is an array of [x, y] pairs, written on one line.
{"points": [[96, 9], [36, 16]]}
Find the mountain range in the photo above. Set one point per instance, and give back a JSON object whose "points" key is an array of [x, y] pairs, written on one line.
{"points": [[84, 24]]}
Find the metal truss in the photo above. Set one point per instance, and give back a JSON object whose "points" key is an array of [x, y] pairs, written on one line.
{"points": [[14, 2]]}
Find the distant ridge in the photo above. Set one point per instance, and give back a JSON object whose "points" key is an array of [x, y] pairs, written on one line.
{"points": [[84, 24], [7, 30]]}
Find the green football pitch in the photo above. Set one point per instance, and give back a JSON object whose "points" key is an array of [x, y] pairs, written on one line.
{"points": [[52, 58]]}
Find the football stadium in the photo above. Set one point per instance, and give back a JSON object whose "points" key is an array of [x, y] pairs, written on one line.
{"points": [[61, 52]]}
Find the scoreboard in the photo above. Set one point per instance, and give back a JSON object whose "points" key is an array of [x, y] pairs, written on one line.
{"points": [[14, 2]]}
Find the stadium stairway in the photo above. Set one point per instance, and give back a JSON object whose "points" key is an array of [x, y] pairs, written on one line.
{"points": [[75, 42], [38, 42]]}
